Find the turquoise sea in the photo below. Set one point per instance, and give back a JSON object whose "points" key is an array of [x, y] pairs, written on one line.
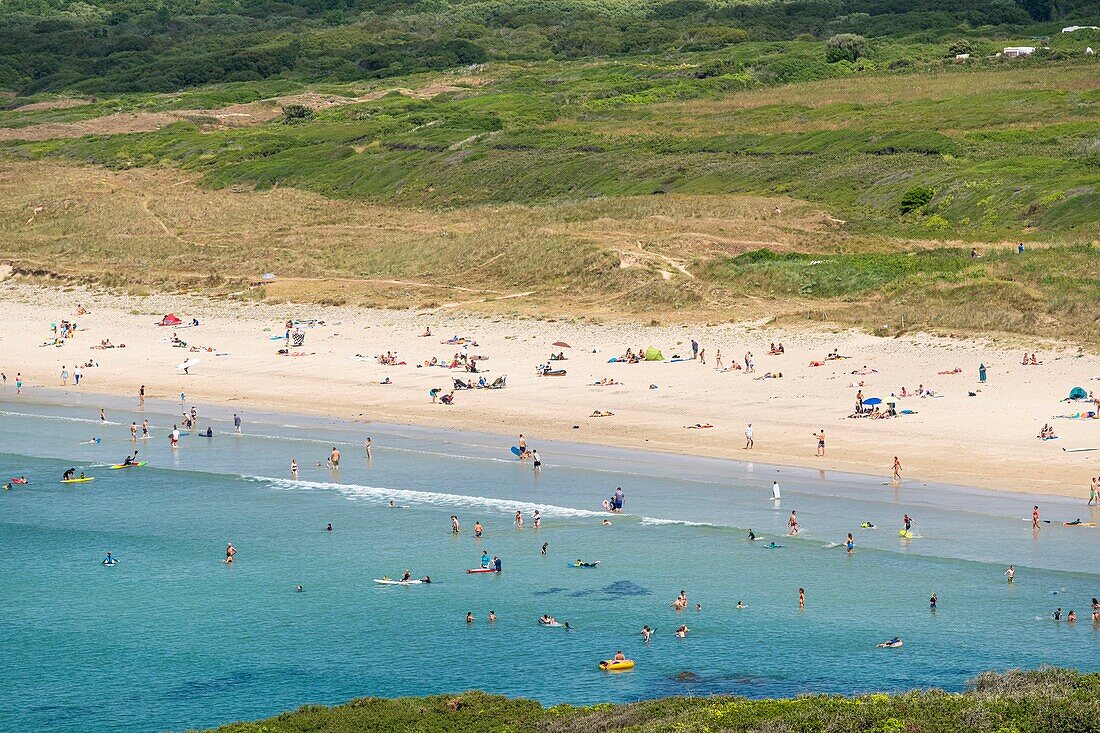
{"points": [[173, 638]]}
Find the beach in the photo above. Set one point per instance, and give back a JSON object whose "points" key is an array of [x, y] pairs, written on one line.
{"points": [[969, 433]]}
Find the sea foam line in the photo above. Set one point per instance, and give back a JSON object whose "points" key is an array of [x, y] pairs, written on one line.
{"points": [[382, 494]]}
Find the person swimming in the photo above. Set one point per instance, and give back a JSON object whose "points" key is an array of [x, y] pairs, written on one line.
{"points": [[109, 560], [740, 605], [866, 525], [772, 546]]}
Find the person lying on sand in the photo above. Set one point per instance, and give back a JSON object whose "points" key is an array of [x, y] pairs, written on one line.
{"points": [[769, 375], [605, 382], [698, 426], [599, 413]]}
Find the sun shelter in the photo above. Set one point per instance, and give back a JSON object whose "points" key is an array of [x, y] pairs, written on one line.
{"points": [[1078, 393], [170, 320], [652, 354]]}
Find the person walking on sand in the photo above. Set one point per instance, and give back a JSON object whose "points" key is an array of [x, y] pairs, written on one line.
{"points": [[141, 396], [748, 437], [694, 349], [236, 421], [77, 374], [1094, 492], [19, 383], [64, 375], [718, 360], [897, 470], [820, 435], [703, 357]]}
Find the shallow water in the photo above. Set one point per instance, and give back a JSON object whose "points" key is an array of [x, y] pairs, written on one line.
{"points": [[172, 637]]}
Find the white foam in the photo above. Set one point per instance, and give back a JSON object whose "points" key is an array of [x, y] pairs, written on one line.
{"points": [[383, 495]]}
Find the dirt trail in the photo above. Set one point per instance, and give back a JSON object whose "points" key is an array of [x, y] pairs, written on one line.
{"points": [[236, 115]]}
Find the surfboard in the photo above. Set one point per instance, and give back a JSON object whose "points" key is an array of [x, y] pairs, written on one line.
{"points": [[123, 465], [84, 480], [516, 451]]}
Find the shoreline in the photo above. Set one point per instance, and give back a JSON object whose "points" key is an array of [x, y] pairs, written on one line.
{"points": [[328, 381]]}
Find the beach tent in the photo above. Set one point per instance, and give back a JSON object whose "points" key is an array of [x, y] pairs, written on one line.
{"points": [[1078, 393], [170, 320], [652, 354]]}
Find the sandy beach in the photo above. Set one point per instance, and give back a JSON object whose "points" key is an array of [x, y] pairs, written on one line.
{"points": [[969, 433]]}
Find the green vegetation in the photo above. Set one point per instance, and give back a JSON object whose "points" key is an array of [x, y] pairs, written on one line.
{"points": [[646, 156], [1014, 702], [112, 46]]}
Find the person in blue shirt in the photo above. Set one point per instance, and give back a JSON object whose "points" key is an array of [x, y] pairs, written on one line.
{"points": [[485, 559], [109, 560]]}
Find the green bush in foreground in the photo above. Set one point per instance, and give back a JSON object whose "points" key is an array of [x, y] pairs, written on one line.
{"points": [[1038, 701]]}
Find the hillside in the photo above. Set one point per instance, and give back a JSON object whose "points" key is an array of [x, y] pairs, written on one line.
{"points": [[1021, 702], [717, 160]]}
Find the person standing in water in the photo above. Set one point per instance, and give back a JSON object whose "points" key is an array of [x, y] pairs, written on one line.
{"points": [[334, 458], [1035, 517], [236, 420], [522, 446], [478, 529], [1094, 493], [294, 468], [519, 520], [133, 431], [933, 601], [144, 428], [537, 460], [792, 524], [455, 528], [775, 491], [619, 497], [908, 523], [850, 545], [801, 599], [367, 445], [230, 552], [141, 396], [536, 519], [1011, 573]]}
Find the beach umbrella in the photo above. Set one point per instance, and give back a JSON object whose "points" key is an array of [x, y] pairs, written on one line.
{"points": [[872, 401], [562, 344]]}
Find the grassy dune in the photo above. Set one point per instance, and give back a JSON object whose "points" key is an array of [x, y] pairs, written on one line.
{"points": [[1015, 702], [755, 180]]}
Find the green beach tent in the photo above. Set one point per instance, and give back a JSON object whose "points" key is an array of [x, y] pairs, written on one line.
{"points": [[652, 354]]}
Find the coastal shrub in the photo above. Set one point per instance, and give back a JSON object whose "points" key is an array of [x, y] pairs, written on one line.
{"points": [[960, 46], [915, 198], [845, 47], [297, 113]]}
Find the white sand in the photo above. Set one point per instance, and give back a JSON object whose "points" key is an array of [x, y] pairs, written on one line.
{"points": [[988, 440]]}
